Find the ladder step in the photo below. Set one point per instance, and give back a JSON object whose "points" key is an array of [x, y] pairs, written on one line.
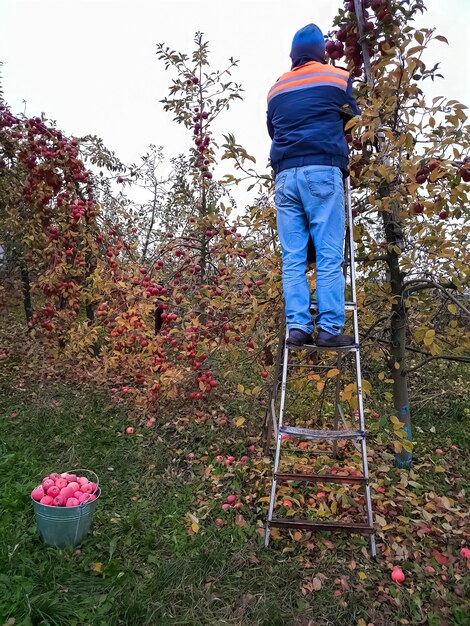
{"points": [[361, 529], [321, 434], [326, 478], [314, 348], [348, 306]]}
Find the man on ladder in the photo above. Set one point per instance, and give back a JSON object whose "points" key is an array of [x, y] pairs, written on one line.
{"points": [[309, 155]]}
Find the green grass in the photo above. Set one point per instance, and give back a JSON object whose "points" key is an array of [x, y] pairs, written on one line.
{"points": [[140, 566]]}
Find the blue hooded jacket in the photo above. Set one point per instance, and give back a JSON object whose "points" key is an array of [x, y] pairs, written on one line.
{"points": [[305, 108]]}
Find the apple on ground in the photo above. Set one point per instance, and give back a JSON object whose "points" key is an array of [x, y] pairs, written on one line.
{"points": [[397, 575]]}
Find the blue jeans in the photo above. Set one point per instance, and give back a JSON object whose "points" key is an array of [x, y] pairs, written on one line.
{"points": [[310, 200]]}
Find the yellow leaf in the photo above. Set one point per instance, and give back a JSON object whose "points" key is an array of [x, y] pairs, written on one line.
{"points": [[97, 567], [332, 373], [240, 388], [195, 527], [399, 432], [395, 421], [452, 308], [408, 445], [439, 469], [381, 521], [397, 446], [362, 575], [239, 421], [351, 123]]}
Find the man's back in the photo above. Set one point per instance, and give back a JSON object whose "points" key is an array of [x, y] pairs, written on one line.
{"points": [[305, 108], [304, 112]]}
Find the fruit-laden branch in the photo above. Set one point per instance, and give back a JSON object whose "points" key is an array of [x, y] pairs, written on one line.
{"points": [[363, 40], [427, 283], [442, 357]]}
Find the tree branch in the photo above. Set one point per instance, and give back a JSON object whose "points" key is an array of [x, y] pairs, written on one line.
{"points": [[427, 283], [370, 259], [443, 357]]}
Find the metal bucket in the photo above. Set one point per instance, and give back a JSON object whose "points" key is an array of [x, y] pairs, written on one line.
{"points": [[61, 526]]}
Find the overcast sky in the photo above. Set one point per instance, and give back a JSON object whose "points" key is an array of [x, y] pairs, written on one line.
{"points": [[91, 64]]}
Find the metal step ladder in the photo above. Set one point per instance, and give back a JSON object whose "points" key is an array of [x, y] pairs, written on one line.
{"points": [[356, 433]]}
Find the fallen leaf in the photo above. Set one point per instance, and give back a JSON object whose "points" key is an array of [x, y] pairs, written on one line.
{"points": [[381, 521], [442, 559], [240, 521]]}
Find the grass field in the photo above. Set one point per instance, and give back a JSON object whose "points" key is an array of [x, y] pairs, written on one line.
{"points": [[144, 565]]}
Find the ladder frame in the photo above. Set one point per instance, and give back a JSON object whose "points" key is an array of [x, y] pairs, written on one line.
{"points": [[274, 425]]}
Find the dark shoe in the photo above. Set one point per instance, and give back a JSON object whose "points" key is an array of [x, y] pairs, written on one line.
{"points": [[298, 337], [327, 340]]}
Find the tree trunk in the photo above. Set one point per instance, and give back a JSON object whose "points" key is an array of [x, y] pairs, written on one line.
{"points": [[398, 326], [400, 377], [26, 285]]}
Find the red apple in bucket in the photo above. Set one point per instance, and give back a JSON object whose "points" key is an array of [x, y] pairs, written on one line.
{"points": [[38, 493], [65, 489]]}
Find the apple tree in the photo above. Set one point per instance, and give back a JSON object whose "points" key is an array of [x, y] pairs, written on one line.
{"points": [[410, 174]]}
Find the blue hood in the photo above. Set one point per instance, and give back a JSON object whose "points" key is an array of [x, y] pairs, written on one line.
{"points": [[308, 45]]}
